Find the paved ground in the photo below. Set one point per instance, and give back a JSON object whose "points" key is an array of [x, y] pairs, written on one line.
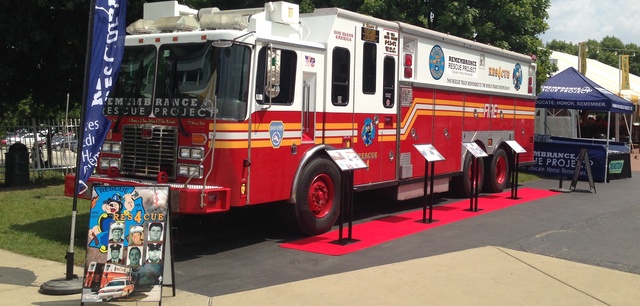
{"points": [[579, 248], [505, 277], [597, 229]]}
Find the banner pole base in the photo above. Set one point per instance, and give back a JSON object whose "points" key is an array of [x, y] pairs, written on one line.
{"points": [[63, 286]]}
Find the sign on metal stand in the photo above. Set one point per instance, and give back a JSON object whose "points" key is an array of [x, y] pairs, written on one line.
{"points": [[348, 161], [477, 152], [431, 156], [517, 150]]}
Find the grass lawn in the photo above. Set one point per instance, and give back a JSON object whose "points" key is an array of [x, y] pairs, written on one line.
{"points": [[36, 221]]}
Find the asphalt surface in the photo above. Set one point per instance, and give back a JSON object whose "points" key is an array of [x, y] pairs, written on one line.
{"points": [[599, 229]]}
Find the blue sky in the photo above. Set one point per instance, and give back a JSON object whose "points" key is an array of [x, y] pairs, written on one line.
{"points": [[579, 20]]}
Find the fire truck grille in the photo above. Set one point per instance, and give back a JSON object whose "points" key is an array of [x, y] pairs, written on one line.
{"points": [[147, 150]]}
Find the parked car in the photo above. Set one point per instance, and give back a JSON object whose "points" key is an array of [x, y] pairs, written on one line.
{"points": [[11, 139], [117, 288], [30, 140]]}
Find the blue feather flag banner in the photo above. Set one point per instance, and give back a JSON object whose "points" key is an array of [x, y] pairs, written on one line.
{"points": [[109, 22]]}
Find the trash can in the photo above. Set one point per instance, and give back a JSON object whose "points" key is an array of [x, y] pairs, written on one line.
{"points": [[17, 165]]}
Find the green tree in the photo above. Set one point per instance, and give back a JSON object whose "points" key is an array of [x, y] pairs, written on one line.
{"points": [[43, 49], [606, 51], [509, 24], [563, 46], [43, 46]]}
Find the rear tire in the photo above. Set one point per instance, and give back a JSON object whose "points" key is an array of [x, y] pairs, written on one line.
{"points": [[318, 197], [462, 185], [497, 172]]}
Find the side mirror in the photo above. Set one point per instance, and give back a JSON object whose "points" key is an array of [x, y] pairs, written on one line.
{"points": [[272, 88]]}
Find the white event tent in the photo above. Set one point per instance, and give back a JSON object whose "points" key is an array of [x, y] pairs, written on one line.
{"points": [[564, 122]]}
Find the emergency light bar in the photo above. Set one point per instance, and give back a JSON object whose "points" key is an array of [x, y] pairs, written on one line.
{"points": [[170, 16], [233, 19], [178, 23], [141, 27]]}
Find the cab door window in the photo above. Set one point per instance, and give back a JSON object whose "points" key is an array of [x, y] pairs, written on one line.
{"points": [[340, 76], [276, 76]]}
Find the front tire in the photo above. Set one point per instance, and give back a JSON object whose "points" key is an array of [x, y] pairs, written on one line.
{"points": [[318, 197], [497, 172]]}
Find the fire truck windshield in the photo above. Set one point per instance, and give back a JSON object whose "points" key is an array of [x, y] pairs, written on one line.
{"points": [[205, 78]]}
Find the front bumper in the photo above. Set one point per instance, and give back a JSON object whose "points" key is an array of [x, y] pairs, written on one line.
{"points": [[184, 199]]}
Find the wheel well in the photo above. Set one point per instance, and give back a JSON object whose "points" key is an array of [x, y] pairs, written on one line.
{"points": [[481, 145], [308, 156], [503, 145], [466, 152]]}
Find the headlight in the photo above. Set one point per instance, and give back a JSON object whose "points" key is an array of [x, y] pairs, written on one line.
{"points": [[111, 147], [115, 147], [106, 163], [186, 170], [185, 152], [197, 153], [194, 153]]}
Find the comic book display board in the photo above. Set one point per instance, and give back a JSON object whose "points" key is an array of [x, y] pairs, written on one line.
{"points": [[126, 244]]}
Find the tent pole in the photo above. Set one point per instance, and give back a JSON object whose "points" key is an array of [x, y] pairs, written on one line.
{"points": [[606, 154], [617, 122], [577, 126], [628, 126]]}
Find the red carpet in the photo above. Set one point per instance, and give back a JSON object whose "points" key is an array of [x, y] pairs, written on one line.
{"points": [[393, 227]]}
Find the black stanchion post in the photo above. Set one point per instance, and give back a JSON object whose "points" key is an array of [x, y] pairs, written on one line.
{"points": [[431, 155], [350, 202], [431, 193], [343, 204], [346, 208], [515, 178], [473, 182], [475, 185], [516, 149], [348, 161], [426, 195], [475, 152]]}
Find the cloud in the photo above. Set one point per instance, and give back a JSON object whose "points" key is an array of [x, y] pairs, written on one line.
{"points": [[576, 21]]}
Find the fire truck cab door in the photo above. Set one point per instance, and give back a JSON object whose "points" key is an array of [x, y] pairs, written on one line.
{"points": [[375, 107]]}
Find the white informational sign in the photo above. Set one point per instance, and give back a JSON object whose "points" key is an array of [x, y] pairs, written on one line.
{"points": [[516, 146], [429, 152], [476, 150], [347, 159]]}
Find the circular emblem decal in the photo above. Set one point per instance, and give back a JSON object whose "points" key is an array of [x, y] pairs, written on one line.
{"points": [[436, 62]]}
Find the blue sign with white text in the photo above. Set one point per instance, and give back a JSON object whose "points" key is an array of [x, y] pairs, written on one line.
{"points": [[557, 159]]}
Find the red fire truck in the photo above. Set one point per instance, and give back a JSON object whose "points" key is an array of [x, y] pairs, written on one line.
{"points": [[236, 108]]}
